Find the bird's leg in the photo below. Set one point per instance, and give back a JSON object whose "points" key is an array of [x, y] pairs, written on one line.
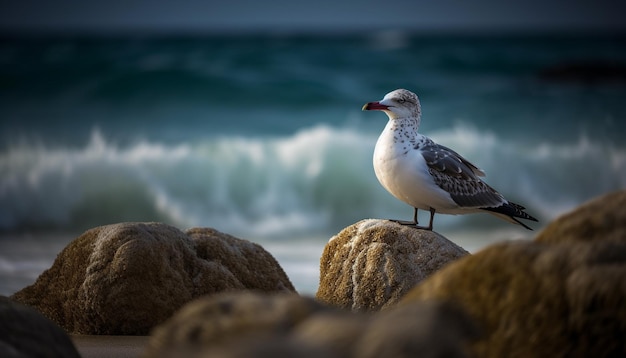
{"points": [[432, 217], [414, 222]]}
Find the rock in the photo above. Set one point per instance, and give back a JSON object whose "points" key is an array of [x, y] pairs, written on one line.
{"points": [[603, 218], [268, 347], [337, 331], [427, 329], [24, 332], [249, 324], [536, 299], [371, 264], [230, 318], [126, 278], [424, 329], [252, 267]]}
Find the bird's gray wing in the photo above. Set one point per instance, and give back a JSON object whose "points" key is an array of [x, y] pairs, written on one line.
{"points": [[448, 161], [459, 178]]}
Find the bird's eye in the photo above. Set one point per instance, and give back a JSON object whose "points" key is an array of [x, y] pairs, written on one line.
{"points": [[401, 100]]}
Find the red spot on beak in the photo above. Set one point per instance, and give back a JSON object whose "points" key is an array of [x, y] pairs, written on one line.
{"points": [[374, 106]]}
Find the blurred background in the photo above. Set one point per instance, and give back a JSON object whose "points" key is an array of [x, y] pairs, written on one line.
{"points": [[246, 116]]}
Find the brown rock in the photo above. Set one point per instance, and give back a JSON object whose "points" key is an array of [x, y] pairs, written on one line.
{"points": [[248, 324], [252, 267], [24, 332], [371, 264], [426, 329], [276, 346], [337, 331], [603, 218], [536, 299], [126, 278], [230, 318]]}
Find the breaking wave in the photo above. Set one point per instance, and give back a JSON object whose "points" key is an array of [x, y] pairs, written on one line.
{"points": [[319, 179]]}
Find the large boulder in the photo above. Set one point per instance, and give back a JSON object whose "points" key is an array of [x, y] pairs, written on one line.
{"points": [[126, 278], [249, 324], [228, 320], [425, 329], [339, 331], [602, 218], [274, 346], [24, 332], [370, 265], [561, 295]]}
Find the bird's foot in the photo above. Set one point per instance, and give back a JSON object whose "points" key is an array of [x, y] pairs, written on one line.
{"points": [[412, 224]]}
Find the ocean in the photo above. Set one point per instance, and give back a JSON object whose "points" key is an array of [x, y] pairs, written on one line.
{"points": [[263, 136]]}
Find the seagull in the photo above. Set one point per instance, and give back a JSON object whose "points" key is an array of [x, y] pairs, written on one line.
{"points": [[427, 175]]}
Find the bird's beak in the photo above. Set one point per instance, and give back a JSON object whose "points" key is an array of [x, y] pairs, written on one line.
{"points": [[374, 106]]}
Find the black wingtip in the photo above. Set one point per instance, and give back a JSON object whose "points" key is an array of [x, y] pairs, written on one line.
{"points": [[513, 211], [522, 224]]}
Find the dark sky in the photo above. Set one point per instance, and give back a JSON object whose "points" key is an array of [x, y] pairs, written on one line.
{"points": [[311, 15]]}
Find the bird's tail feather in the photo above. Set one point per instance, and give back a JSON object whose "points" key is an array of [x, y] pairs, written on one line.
{"points": [[510, 212]]}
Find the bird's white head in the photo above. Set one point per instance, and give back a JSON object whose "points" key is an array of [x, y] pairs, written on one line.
{"points": [[397, 104]]}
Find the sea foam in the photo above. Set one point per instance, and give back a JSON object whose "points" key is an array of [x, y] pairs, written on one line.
{"points": [[320, 179]]}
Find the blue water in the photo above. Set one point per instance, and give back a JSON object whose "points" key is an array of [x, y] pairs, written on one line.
{"points": [[263, 137]]}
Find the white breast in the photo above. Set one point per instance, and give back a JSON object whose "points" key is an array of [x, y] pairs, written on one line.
{"points": [[402, 170]]}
